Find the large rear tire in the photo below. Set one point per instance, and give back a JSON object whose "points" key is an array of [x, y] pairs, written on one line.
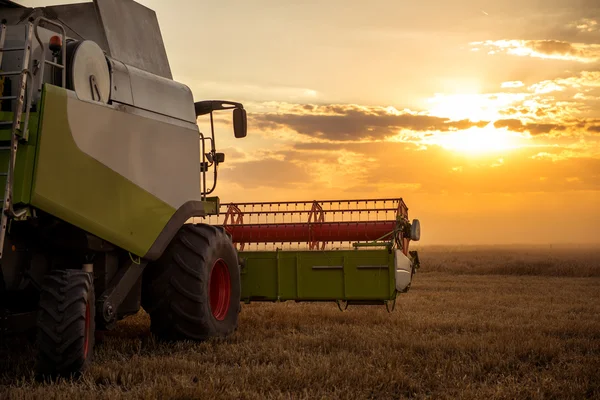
{"points": [[193, 290], [66, 323]]}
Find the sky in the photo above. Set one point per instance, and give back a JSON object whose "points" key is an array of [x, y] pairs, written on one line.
{"points": [[483, 115]]}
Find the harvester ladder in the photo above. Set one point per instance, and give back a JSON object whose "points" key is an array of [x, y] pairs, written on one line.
{"points": [[21, 101]]}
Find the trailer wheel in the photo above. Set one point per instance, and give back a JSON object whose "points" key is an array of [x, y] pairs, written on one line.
{"points": [[193, 290], [66, 323]]}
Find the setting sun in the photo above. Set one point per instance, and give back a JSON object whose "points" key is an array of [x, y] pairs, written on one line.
{"points": [[477, 140], [476, 107]]}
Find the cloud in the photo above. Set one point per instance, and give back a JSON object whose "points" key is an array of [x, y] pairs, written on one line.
{"points": [[585, 80], [558, 99], [353, 122], [594, 128], [512, 84], [517, 125], [548, 49], [586, 25]]}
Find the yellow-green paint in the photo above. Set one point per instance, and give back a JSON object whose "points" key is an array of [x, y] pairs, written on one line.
{"points": [[75, 187], [25, 159], [360, 275]]}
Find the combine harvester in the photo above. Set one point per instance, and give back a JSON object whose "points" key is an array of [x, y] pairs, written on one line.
{"points": [[104, 167]]}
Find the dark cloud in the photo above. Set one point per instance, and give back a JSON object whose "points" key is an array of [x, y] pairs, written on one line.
{"points": [[512, 124], [594, 128], [342, 122], [552, 47], [517, 125], [516, 110]]}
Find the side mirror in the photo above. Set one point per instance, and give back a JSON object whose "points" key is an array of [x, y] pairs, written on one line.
{"points": [[415, 230], [240, 123]]}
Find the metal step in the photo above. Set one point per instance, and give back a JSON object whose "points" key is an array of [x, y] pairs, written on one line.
{"points": [[12, 49], [11, 73]]}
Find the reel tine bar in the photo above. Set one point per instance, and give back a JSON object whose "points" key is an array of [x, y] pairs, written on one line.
{"points": [[314, 224]]}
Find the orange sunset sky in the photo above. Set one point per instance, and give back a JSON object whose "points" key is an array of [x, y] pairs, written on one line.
{"points": [[483, 115]]}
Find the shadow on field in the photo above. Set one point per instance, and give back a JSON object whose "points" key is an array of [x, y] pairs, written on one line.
{"points": [[18, 353], [17, 359]]}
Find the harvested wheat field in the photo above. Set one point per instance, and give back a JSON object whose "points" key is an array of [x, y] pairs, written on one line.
{"points": [[478, 323]]}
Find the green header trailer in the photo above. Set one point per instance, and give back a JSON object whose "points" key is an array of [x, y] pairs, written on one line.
{"points": [[347, 251], [104, 169]]}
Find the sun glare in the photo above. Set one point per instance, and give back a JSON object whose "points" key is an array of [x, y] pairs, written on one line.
{"points": [[476, 107], [477, 140]]}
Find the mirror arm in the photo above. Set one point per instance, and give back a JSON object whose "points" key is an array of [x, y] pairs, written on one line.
{"points": [[202, 151], [208, 106], [210, 155], [214, 180], [213, 150], [212, 132]]}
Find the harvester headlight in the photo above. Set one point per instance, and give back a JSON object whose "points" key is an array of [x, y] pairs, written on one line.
{"points": [[415, 230]]}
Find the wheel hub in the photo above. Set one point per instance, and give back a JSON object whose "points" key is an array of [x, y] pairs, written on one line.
{"points": [[219, 290], [86, 340]]}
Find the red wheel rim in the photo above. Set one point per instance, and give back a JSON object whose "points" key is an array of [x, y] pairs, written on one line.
{"points": [[219, 290], [86, 339]]}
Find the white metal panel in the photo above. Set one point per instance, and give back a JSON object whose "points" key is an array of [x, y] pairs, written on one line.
{"points": [[89, 74], [121, 84], [161, 158], [133, 35], [161, 95], [403, 271]]}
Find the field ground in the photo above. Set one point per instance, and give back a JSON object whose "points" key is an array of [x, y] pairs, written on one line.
{"points": [[480, 323]]}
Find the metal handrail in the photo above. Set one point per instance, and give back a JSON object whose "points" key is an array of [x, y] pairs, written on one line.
{"points": [[63, 33], [2, 39], [308, 211], [310, 202], [25, 88], [203, 188]]}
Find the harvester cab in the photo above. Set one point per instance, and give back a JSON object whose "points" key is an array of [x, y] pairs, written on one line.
{"points": [[105, 171]]}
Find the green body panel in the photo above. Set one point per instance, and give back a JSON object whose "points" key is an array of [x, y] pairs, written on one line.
{"points": [[75, 187], [318, 275], [4, 153], [25, 159]]}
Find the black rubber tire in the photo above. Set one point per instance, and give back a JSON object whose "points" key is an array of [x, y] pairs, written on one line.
{"points": [[175, 288], [65, 324]]}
